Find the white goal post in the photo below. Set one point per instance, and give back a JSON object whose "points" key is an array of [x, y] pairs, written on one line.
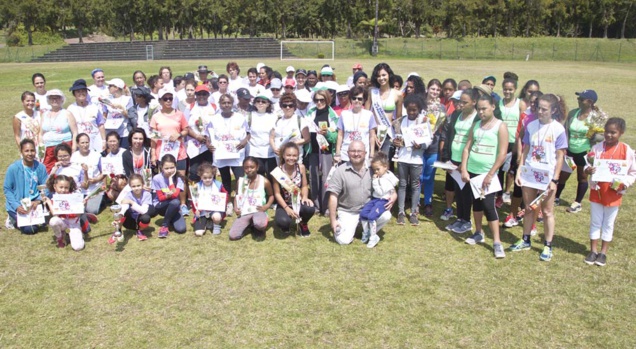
{"points": [[307, 50]]}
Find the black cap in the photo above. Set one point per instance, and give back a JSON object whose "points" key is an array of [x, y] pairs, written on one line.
{"points": [[301, 71], [243, 93], [79, 84], [142, 91]]}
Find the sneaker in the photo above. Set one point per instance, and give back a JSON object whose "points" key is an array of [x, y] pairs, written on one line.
{"points": [[539, 216], [520, 246], [92, 219], [141, 236], [448, 213], [591, 258], [229, 210], [9, 223], [163, 232], [184, 210], [452, 226], [533, 231], [199, 232], [60, 242], [428, 210], [216, 229], [510, 221], [476, 238], [557, 201], [499, 202], [304, 230], [546, 254], [574, 208], [365, 236], [601, 259], [112, 239], [413, 219], [462, 228], [506, 198], [373, 240], [401, 220], [499, 251], [520, 215]]}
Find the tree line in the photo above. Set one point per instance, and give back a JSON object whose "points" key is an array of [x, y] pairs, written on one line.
{"points": [[163, 19]]}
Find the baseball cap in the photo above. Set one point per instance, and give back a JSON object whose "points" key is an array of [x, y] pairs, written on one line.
{"points": [[290, 69], [119, 83], [243, 93], [588, 94]]}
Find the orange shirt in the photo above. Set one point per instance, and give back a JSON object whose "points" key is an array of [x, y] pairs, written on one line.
{"points": [[168, 125], [605, 195]]}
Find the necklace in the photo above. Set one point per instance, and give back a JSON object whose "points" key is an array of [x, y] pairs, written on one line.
{"points": [[29, 175], [605, 150], [483, 129]]}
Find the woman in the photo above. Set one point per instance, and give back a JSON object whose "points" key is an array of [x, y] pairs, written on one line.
{"points": [[117, 111], [58, 126], [511, 109], [185, 106], [414, 85], [223, 82], [528, 88], [449, 86], [90, 160], [41, 102], [343, 99], [385, 103], [295, 205], [361, 79], [312, 79], [88, 116], [289, 128], [113, 165], [235, 80], [483, 155], [165, 73], [136, 160], [301, 78], [436, 116], [323, 122], [139, 79], [200, 119], [172, 127], [456, 138], [357, 124], [141, 111], [544, 145], [26, 124], [155, 84], [261, 123], [253, 86], [326, 74], [21, 182], [578, 145], [230, 133]]}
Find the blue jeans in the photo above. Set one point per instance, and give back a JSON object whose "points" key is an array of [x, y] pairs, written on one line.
{"points": [[169, 209], [28, 230], [428, 177]]}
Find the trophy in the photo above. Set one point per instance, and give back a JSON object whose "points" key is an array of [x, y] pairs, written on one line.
{"points": [[42, 188], [116, 210]]}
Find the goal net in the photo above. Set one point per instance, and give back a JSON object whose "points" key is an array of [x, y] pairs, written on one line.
{"points": [[307, 50]]}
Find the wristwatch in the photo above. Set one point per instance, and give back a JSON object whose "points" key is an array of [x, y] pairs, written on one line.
{"points": [[555, 181]]}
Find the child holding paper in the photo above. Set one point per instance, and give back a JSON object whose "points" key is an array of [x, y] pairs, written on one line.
{"points": [[484, 153], [167, 186], [137, 209], [606, 197], [61, 184], [208, 186]]}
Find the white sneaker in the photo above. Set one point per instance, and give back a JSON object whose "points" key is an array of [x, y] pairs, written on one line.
{"points": [[373, 240], [199, 232], [9, 223], [506, 198], [229, 211]]}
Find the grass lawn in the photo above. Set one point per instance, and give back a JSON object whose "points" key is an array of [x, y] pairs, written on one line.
{"points": [[420, 287]]}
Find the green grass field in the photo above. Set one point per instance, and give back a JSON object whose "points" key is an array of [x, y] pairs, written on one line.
{"points": [[419, 288]]}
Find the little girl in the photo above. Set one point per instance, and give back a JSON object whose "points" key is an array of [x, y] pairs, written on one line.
{"points": [[167, 186], [61, 184], [384, 183], [137, 209], [606, 197], [254, 196], [208, 186]]}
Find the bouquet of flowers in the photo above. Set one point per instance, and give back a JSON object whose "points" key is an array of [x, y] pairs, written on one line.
{"points": [[154, 134], [382, 132], [435, 115], [200, 125], [595, 123]]}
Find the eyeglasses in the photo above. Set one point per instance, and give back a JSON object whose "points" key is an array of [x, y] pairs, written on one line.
{"points": [[261, 101], [275, 89], [361, 99], [167, 99], [287, 106], [319, 100]]}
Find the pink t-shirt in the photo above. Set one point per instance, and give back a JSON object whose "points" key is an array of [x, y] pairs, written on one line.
{"points": [[167, 125]]}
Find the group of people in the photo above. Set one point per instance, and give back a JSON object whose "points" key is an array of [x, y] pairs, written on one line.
{"points": [[306, 144]]}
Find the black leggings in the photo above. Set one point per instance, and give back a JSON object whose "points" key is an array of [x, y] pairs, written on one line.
{"points": [[284, 221], [143, 219], [226, 176], [465, 201]]}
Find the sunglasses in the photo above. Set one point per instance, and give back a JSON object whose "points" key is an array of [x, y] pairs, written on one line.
{"points": [[319, 100], [361, 99], [167, 99], [275, 89], [287, 106]]}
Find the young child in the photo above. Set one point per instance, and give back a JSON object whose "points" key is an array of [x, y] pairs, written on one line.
{"points": [[137, 209], [167, 186], [61, 184], [207, 186], [606, 197], [384, 183], [254, 196]]}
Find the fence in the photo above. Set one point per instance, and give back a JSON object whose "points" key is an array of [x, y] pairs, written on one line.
{"points": [[25, 54]]}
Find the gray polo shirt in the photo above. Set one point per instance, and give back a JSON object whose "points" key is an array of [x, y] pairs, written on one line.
{"points": [[353, 188]]}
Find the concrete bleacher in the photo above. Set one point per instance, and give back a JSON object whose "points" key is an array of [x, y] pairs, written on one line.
{"points": [[166, 50]]}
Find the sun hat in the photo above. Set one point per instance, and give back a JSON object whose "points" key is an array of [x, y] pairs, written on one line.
{"points": [[79, 84], [56, 92], [203, 69], [303, 95], [119, 83]]}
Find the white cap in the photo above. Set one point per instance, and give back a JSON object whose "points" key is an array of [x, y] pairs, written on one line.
{"points": [[259, 66], [290, 69], [342, 88], [331, 85], [165, 91], [326, 71], [303, 95], [457, 94], [276, 83], [412, 74], [119, 83]]}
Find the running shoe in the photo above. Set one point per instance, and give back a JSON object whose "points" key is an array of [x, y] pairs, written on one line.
{"points": [[520, 245], [448, 213], [510, 221], [546, 254]]}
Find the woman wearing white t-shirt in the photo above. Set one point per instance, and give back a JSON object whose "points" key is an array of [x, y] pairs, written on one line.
{"points": [[113, 165], [118, 105], [41, 102], [261, 123], [88, 116], [26, 124], [357, 124], [289, 128], [90, 161], [253, 86], [141, 113], [200, 118]]}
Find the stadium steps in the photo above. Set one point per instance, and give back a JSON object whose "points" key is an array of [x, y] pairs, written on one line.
{"points": [[195, 49]]}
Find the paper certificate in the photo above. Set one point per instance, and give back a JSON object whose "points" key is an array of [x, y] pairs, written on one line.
{"points": [[608, 170], [226, 150], [68, 203], [445, 165], [113, 123], [536, 175], [35, 217], [457, 176], [418, 134], [168, 147], [477, 183], [112, 165], [209, 201], [195, 148]]}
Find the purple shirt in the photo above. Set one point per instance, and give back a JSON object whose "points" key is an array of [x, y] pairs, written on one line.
{"points": [[160, 182]]}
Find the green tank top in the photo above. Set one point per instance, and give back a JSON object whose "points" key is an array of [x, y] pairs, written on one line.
{"points": [[578, 142], [483, 152], [511, 117], [388, 104], [462, 127]]}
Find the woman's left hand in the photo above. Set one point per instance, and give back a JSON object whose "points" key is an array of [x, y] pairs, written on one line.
{"points": [[465, 176], [290, 211], [307, 202], [486, 182], [175, 137]]}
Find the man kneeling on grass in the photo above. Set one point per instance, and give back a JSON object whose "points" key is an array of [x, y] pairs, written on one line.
{"points": [[350, 189]]}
